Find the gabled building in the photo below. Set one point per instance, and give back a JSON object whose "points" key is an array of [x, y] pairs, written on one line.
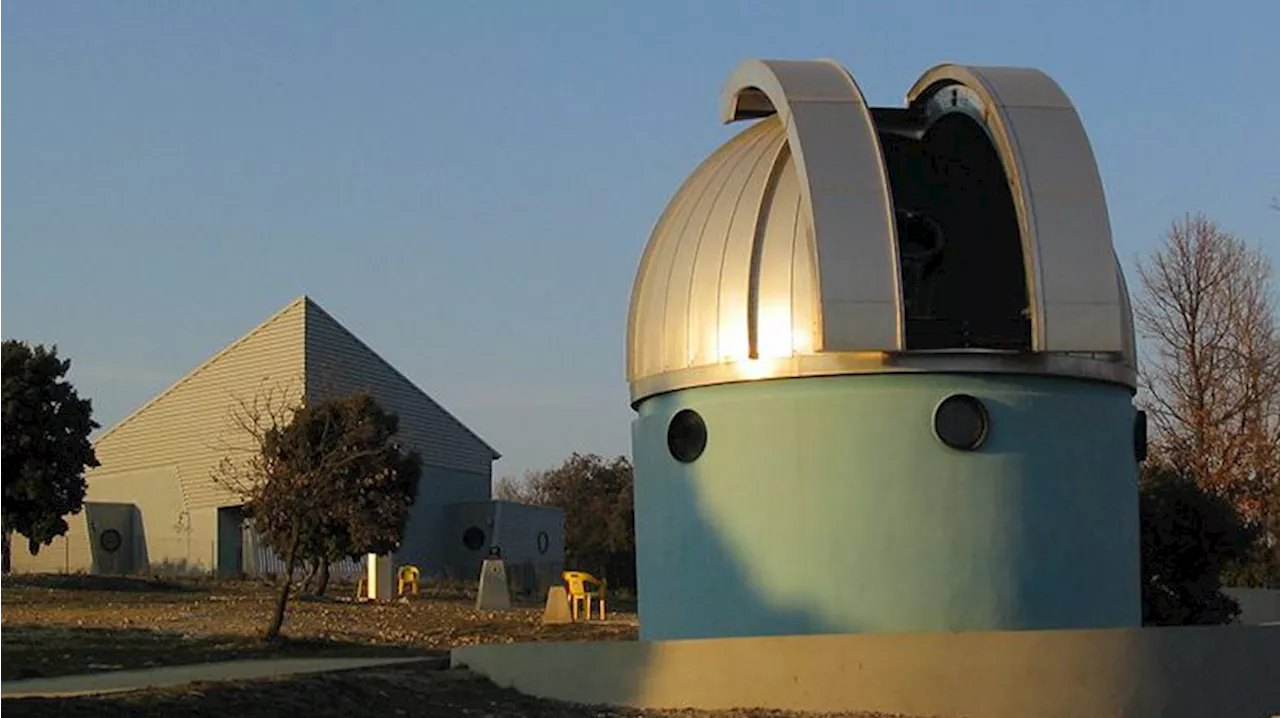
{"points": [[154, 504]]}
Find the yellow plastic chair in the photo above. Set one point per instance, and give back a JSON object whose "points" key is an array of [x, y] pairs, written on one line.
{"points": [[407, 576], [582, 588]]}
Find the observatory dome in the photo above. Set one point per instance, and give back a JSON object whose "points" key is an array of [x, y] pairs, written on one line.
{"points": [[964, 232]]}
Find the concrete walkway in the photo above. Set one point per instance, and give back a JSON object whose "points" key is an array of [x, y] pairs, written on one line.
{"points": [[120, 681]]}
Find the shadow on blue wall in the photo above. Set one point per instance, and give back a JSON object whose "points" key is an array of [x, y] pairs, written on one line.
{"points": [[750, 613]]}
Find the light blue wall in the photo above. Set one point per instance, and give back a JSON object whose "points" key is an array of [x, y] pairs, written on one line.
{"points": [[826, 505]]}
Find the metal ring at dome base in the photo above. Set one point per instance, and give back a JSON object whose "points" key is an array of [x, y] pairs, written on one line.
{"points": [[961, 422], [972, 361]]}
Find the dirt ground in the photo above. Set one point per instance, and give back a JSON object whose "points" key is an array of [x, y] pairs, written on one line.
{"points": [[58, 625], [392, 691]]}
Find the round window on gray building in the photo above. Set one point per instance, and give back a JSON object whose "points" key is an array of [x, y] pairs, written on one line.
{"points": [[961, 422], [473, 538], [686, 436], [544, 542], [110, 540]]}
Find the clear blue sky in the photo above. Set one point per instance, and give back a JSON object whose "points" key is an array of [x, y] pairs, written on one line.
{"points": [[469, 186]]}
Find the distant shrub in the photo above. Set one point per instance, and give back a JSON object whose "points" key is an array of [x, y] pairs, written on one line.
{"points": [[1189, 537]]}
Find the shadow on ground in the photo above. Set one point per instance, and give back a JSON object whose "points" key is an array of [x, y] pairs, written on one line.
{"points": [[86, 582], [45, 651]]}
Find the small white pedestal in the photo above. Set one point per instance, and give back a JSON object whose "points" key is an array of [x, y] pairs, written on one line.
{"points": [[380, 577]]}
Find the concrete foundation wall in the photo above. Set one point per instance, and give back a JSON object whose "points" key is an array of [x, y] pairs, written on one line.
{"points": [[827, 505], [123, 519], [81, 549], [532, 540], [1225, 672], [516, 529], [171, 537], [1257, 605], [69, 553]]}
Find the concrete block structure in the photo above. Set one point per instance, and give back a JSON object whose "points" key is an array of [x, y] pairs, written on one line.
{"points": [[529, 539], [882, 361], [157, 464]]}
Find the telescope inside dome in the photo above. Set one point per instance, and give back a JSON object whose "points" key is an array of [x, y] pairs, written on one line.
{"points": [[960, 250]]}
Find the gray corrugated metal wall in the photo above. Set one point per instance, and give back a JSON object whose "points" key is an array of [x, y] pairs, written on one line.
{"points": [[338, 363], [188, 426], [262, 561]]}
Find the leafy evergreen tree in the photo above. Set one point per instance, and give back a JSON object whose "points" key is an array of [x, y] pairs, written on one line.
{"points": [[1189, 536], [46, 445]]}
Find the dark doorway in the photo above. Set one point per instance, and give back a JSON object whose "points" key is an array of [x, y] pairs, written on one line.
{"points": [[230, 541]]}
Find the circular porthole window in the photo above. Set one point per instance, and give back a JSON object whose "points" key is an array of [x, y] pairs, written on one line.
{"points": [[110, 540], [1140, 436], [473, 538], [686, 436], [544, 542], [961, 422]]}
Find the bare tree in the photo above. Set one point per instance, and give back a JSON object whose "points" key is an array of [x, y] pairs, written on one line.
{"points": [[509, 488], [250, 420], [1211, 370]]}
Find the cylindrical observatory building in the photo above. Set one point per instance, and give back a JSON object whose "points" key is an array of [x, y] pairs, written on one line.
{"points": [[882, 361]]}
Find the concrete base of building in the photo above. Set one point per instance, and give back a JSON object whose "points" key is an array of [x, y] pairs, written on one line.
{"points": [[1223, 671], [1257, 605]]}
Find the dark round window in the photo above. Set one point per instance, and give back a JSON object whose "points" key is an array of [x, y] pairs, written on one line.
{"points": [[1140, 436], [110, 540], [473, 538], [687, 436], [544, 542], [961, 422]]}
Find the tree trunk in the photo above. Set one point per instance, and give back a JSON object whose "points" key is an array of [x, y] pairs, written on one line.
{"points": [[286, 583], [322, 578], [308, 583]]}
